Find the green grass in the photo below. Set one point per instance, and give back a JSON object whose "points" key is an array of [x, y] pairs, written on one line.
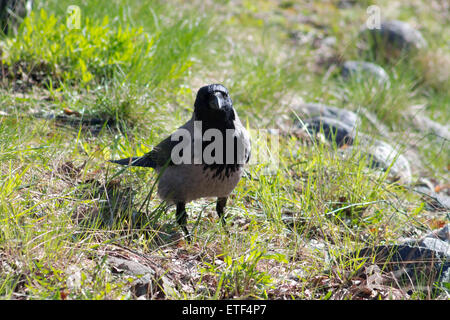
{"points": [[135, 72]]}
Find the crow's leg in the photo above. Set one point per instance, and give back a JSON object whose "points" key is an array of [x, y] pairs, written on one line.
{"points": [[182, 218], [220, 207]]}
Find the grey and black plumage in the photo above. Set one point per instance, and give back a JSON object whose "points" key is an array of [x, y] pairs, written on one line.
{"points": [[182, 183]]}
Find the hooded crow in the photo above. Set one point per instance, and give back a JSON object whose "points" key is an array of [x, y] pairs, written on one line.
{"points": [[203, 158]]}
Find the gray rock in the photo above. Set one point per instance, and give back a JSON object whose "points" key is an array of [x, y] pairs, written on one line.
{"points": [[340, 125], [363, 71], [381, 155], [411, 265], [335, 122], [146, 280], [334, 130], [396, 34], [148, 286], [434, 201], [415, 263], [384, 156], [311, 110], [346, 4], [149, 283], [425, 124], [130, 267], [437, 240], [441, 234]]}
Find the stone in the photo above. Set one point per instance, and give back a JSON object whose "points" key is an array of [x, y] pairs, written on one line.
{"points": [[396, 34], [383, 155], [346, 4], [425, 124], [130, 267], [146, 278], [311, 110], [415, 263], [148, 283], [334, 130], [392, 41], [362, 71], [434, 201], [441, 234]]}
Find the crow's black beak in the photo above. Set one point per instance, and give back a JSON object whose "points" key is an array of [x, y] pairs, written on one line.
{"points": [[217, 102]]}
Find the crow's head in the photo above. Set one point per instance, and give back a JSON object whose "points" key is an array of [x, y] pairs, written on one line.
{"points": [[213, 104]]}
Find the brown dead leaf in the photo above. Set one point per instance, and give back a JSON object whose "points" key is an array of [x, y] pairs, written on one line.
{"points": [[181, 243], [63, 294], [70, 112], [436, 223], [440, 188], [372, 283], [69, 169]]}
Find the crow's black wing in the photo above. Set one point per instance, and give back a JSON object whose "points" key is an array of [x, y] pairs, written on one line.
{"points": [[158, 157]]}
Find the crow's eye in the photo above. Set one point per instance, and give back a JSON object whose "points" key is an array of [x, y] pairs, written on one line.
{"points": [[222, 94]]}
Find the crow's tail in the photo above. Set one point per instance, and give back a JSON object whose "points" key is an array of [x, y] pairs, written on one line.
{"points": [[136, 162]]}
